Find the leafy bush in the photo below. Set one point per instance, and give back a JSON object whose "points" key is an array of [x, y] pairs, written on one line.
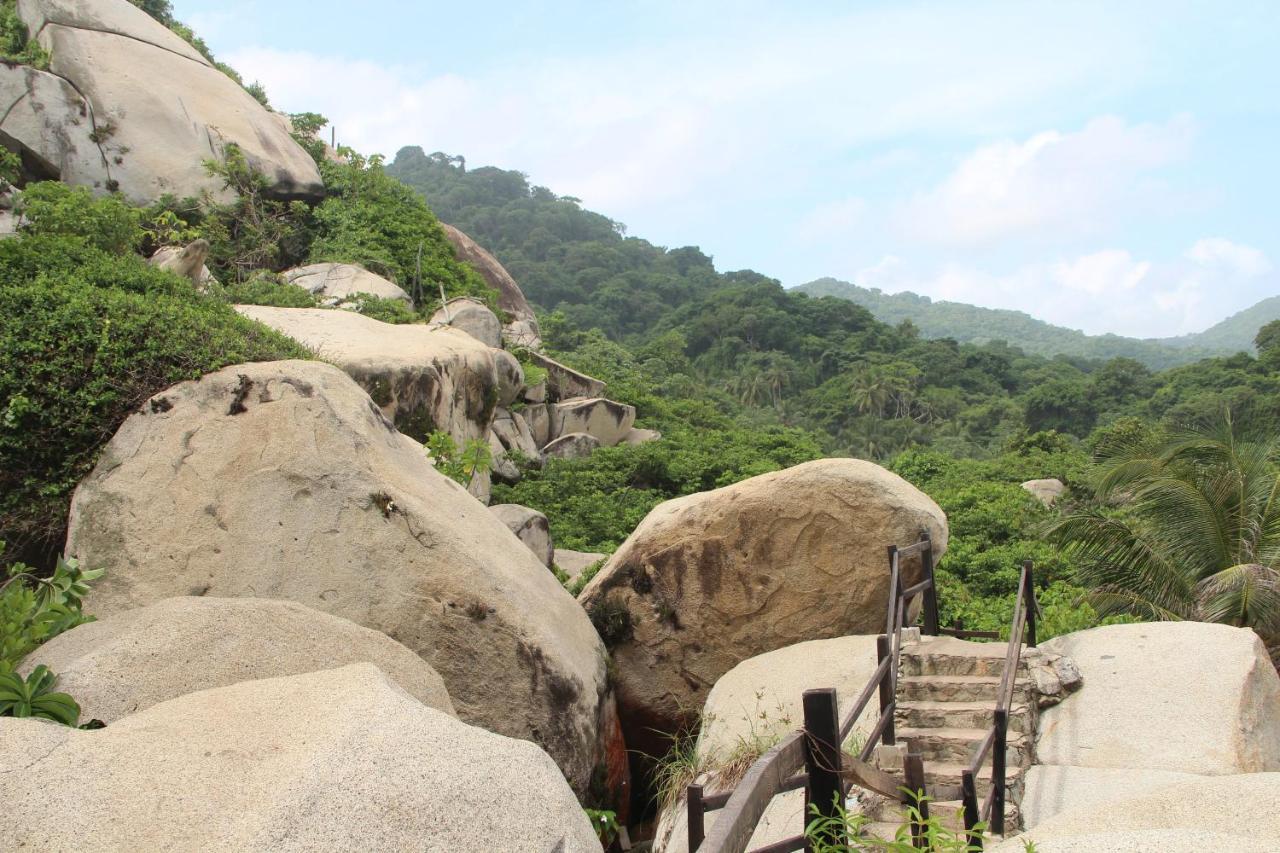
{"points": [[81, 349], [265, 289], [52, 208], [462, 465], [34, 697], [34, 610], [382, 308], [15, 42]]}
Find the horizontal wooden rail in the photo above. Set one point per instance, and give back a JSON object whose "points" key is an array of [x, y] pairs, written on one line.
{"points": [[752, 795]]}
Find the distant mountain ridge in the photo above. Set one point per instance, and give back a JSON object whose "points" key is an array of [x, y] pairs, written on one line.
{"points": [[963, 322]]}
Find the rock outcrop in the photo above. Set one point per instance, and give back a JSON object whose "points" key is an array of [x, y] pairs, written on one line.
{"points": [[473, 317], [423, 378], [565, 383], [339, 282], [1048, 492], [1237, 813], [187, 261], [284, 480], [606, 421], [575, 445], [530, 527], [709, 580], [336, 760], [132, 660], [574, 563], [128, 105], [522, 326]]}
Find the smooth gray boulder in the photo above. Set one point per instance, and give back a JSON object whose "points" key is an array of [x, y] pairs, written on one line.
{"points": [[47, 123], [1051, 789], [186, 261], [341, 759], [148, 109], [607, 421], [473, 317], [522, 324], [1048, 492], [575, 445], [134, 659], [574, 563], [340, 282], [284, 480], [510, 377], [565, 383], [641, 436], [514, 434], [538, 417], [530, 527]]}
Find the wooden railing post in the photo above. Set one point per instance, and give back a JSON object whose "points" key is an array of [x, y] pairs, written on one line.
{"points": [[888, 738], [998, 757], [895, 585], [1029, 597], [825, 790], [697, 817], [930, 593], [915, 798], [969, 795]]}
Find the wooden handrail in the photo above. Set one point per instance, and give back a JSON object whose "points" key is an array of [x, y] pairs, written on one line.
{"points": [[752, 796]]}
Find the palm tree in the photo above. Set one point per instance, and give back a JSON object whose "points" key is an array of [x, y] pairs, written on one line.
{"points": [[1187, 526]]}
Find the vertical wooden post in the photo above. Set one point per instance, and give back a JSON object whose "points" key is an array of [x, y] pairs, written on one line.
{"points": [[998, 758], [913, 771], [1029, 599], [969, 795], [697, 818], [894, 586], [886, 690], [931, 593], [825, 790]]}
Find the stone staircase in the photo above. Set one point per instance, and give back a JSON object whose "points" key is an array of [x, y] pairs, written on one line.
{"points": [[947, 690]]}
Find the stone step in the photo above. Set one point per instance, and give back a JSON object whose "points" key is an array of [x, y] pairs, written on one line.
{"points": [[948, 773], [951, 656], [949, 813], [959, 688], [959, 715], [960, 745]]}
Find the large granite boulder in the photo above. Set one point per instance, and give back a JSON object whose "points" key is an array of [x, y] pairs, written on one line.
{"points": [[565, 383], [134, 659], [574, 563], [530, 527], [284, 480], [756, 704], [711, 579], [521, 328], [423, 378], [1190, 697], [607, 421], [575, 445], [340, 282], [187, 261], [473, 317], [1048, 492], [128, 105], [513, 432], [341, 759], [1236, 813]]}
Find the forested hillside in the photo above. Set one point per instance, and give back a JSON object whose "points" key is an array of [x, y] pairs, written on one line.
{"points": [[743, 377], [970, 323]]}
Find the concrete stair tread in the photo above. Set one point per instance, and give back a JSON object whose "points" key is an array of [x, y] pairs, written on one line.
{"points": [[976, 735]]}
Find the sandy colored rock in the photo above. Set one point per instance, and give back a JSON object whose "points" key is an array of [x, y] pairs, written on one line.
{"points": [[48, 124], [157, 108], [574, 563], [565, 383], [514, 434], [530, 527], [132, 660], [1191, 697], [607, 421], [473, 317], [522, 327], [510, 377], [1046, 491], [284, 480], [336, 760], [343, 281], [1051, 789], [1222, 813], [183, 261], [712, 579], [423, 378], [539, 420], [575, 445], [641, 436]]}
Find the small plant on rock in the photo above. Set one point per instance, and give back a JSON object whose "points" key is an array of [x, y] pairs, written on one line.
{"points": [[35, 697], [462, 465]]}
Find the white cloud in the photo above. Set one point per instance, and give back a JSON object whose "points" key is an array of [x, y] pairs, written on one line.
{"points": [[1243, 260], [1106, 272], [1050, 185], [831, 222]]}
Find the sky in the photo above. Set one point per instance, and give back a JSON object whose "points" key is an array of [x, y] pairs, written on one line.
{"points": [[1107, 166]]}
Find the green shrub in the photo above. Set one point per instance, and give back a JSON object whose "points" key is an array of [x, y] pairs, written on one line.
{"points": [[382, 308], [34, 610], [79, 352], [34, 697], [265, 289], [460, 464], [15, 41], [52, 208]]}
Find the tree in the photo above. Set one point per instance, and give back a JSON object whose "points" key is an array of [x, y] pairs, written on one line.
{"points": [[1193, 532]]}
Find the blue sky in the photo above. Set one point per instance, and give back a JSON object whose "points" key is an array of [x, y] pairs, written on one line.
{"points": [[1104, 166]]}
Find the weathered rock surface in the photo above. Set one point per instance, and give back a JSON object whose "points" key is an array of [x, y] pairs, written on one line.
{"points": [[335, 760], [1190, 697], [342, 281], [539, 420], [607, 421], [473, 317], [423, 378], [565, 383], [712, 579], [156, 108], [530, 527], [574, 563], [187, 261], [522, 328], [510, 377], [284, 480], [1051, 789], [575, 445], [1046, 491], [1225, 813], [641, 436], [514, 433], [758, 702], [134, 659]]}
